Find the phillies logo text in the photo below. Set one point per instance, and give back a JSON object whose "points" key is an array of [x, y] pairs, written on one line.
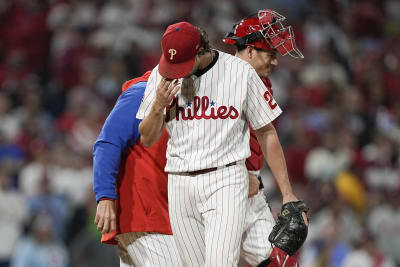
{"points": [[200, 110]]}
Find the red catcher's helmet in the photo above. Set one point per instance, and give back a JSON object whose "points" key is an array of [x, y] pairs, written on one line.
{"points": [[265, 31]]}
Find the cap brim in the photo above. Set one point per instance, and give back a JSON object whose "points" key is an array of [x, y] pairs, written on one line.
{"points": [[177, 70]]}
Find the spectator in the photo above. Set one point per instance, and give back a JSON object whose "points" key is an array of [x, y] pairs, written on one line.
{"points": [[54, 205], [384, 224], [40, 248], [326, 161], [367, 255], [13, 213]]}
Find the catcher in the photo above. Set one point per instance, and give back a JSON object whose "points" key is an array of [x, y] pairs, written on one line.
{"points": [[258, 38]]}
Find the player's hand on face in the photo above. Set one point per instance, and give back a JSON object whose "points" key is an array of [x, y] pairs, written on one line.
{"points": [[254, 185], [106, 219], [166, 90]]}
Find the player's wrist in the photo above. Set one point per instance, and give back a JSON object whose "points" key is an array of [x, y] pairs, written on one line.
{"points": [[289, 197], [158, 107], [106, 198], [254, 172]]}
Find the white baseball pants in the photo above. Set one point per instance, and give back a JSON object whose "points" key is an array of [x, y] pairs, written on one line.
{"points": [[207, 214], [258, 225], [148, 250]]}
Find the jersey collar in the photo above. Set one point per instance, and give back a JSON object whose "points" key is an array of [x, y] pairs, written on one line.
{"points": [[201, 72]]}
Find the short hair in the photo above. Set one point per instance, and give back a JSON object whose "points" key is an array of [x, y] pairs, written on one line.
{"points": [[204, 42], [240, 47]]}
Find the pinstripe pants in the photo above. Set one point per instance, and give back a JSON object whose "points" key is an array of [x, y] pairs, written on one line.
{"points": [[207, 214], [148, 250], [259, 222]]}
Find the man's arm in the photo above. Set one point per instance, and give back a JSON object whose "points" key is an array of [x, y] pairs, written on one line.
{"points": [[152, 125], [119, 131], [273, 154]]}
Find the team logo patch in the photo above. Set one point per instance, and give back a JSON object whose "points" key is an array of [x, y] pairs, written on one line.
{"points": [[172, 53]]}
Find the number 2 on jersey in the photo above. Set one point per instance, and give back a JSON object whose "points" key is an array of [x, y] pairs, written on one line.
{"points": [[271, 102]]}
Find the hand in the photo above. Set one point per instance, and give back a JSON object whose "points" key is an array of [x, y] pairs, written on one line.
{"points": [[166, 90], [292, 198], [106, 219], [254, 185]]}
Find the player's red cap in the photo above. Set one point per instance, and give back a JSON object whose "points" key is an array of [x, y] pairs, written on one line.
{"points": [[179, 44]]}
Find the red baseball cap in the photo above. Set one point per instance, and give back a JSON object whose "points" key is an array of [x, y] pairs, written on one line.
{"points": [[179, 44]]}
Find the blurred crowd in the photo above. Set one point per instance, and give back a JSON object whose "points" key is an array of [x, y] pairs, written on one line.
{"points": [[62, 63]]}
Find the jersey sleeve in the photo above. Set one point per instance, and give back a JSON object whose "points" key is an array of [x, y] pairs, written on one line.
{"points": [[149, 94], [120, 130], [261, 108]]}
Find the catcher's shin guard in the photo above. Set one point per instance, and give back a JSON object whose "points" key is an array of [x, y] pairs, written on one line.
{"points": [[279, 258]]}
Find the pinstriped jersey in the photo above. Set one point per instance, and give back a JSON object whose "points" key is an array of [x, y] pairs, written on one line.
{"points": [[208, 120]]}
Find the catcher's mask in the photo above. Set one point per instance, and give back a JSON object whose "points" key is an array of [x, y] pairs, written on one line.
{"points": [[265, 31]]}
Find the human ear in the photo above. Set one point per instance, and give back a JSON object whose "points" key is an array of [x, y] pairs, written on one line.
{"points": [[249, 51]]}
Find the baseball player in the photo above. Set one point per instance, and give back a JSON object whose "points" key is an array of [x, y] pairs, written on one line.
{"points": [[131, 186], [255, 46], [206, 114]]}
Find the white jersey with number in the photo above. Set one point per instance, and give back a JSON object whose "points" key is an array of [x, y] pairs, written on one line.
{"points": [[208, 120]]}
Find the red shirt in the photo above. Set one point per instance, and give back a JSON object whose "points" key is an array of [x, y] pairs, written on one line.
{"points": [[142, 204]]}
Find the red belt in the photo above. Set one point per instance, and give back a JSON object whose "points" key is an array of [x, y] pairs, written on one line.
{"points": [[203, 171]]}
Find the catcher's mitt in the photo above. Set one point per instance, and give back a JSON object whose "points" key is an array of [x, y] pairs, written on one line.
{"points": [[290, 230]]}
